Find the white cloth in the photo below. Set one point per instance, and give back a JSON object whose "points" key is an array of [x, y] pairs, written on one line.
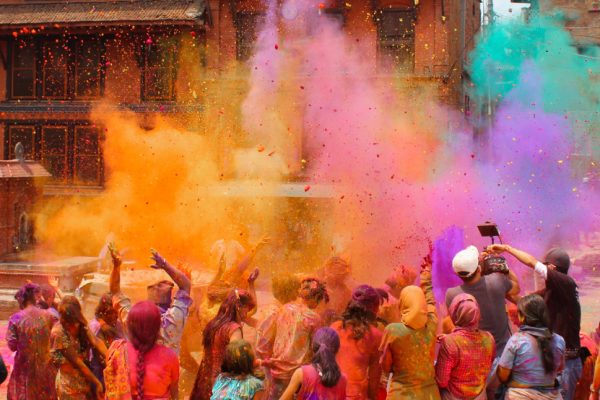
{"points": [[466, 261], [541, 270]]}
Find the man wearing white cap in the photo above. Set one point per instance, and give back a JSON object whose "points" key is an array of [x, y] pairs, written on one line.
{"points": [[490, 291]]}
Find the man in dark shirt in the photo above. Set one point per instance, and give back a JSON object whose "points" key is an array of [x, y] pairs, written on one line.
{"points": [[562, 300], [490, 291]]}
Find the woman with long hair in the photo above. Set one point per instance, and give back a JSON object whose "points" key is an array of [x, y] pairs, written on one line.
{"points": [[359, 343], [106, 327], [534, 356], [139, 368], [71, 342], [237, 380], [322, 379], [28, 335], [466, 355], [222, 329], [408, 346]]}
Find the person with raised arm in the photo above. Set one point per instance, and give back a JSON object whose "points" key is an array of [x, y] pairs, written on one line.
{"points": [[408, 346], [173, 309], [562, 299]]}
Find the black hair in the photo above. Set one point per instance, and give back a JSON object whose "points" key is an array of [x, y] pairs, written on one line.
{"points": [[359, 313], [285, 287], [238, 359], [325, 345], [534, 311]]}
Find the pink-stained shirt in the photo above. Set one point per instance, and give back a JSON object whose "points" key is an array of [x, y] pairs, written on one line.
{"points": [[464, 362], [162, 370], [359, 360], [285, 338], [313, 389]]}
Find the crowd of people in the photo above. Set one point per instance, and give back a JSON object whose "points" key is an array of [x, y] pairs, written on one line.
{"points": [[321, 339]]}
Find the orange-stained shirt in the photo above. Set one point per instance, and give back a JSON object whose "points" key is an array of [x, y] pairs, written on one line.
{"points": [[359, 360]]}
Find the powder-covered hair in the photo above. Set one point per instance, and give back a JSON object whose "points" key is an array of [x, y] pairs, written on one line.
{"points": [[361, 311], [238, 359], [71, 314], [313, 289], [27, 294], [534, 311], [285, 287], [325, 345], [228, 312], [143, 325], [105, 309]]}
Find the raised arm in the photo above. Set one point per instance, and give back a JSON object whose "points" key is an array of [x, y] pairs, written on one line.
{"points": [[426, 280], [179, 277], [525, 258], [247, 260], [115, 273], [513, 294]]}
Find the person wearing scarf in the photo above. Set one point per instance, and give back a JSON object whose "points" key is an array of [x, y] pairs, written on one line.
{"points": [[408, 347], [466, 355], [534, 356]]}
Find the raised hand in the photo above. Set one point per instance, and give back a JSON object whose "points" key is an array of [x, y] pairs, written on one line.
{"points": [[115, 255], [496, 248], [254, 275], [159, 261]]}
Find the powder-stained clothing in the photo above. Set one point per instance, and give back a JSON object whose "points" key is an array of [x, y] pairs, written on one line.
{"points": [[236, 388], [532, 394], [285, 338], [313, 389], [210, 368], [359, 360], [107, 334], [161, 371], [28, 334], [411, 344], [172, 319], [71, 384], [490, 292], [522, 355], [464, 362]]}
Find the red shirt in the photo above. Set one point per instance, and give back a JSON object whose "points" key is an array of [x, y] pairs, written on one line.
{"points": [[162, 370], [313, 389], [355, 358], [464, 362]]}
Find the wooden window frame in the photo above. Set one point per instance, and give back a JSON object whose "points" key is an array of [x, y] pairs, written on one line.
{"points": [[383, 42], [76, 155], [71, 161], [11, 146], [171, 70], [239, 15], [10, 74], [65, 70], [65, 155], [71, 68]]}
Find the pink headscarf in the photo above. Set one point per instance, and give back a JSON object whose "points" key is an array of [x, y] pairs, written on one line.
{"points": [[464, 312]]}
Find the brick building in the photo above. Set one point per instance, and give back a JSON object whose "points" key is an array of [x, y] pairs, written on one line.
{"points": [[60, 58]]}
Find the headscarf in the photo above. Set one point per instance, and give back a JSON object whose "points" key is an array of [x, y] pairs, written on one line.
{"points": [[413, 307], [464, 312]]}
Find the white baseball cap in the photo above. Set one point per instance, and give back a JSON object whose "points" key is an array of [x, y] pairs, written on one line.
{"points": [[466, 261]]}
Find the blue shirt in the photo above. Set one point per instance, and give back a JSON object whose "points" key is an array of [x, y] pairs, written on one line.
{"points": [[523, 356]]}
